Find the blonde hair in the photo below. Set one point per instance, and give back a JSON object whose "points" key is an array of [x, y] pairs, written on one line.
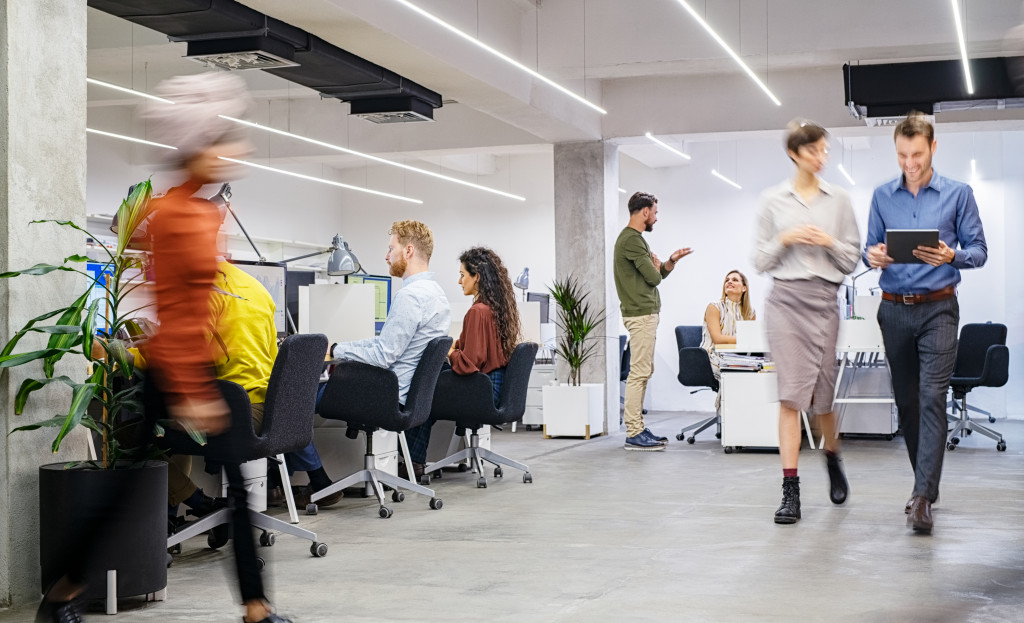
{"points": [[415, 233], [746, 309]]}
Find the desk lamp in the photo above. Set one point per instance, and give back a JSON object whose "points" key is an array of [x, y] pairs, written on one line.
{"points": [[523, 281]]}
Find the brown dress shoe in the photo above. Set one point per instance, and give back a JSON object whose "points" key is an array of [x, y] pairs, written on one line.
{"points": [[920, 516]]}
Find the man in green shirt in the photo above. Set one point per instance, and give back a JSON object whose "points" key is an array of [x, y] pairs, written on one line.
{"points": [[637, 275]]}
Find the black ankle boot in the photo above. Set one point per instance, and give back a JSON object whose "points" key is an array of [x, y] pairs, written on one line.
{"points": [[838, 488], [789, 510]]}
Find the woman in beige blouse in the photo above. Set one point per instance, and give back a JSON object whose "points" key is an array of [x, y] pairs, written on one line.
{"points": [[720, 320], [808, 242]]}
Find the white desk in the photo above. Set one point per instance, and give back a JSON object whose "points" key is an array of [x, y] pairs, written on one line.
{"points": [[860, 350]]}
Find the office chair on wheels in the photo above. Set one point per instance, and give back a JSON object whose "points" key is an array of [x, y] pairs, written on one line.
{"points": [[982, 360], [468, 400], [365, 397], [695, 371], [287, 427]]}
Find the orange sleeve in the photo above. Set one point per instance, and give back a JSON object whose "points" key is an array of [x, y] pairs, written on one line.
{"points": [[185, 261]]}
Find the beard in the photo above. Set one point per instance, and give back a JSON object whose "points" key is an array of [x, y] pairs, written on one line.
{"points": [[649, 227], [397, 267]]}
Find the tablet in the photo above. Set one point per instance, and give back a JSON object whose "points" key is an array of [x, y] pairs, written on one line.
{"points": [[900, 243]]}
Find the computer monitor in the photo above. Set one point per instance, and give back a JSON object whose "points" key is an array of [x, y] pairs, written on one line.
{"points": [[383, 288], [99, 292], [273, 276], [294, 280], [545, 304]]}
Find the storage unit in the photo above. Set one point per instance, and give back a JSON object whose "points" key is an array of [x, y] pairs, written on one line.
{"points": [[541, 375]]}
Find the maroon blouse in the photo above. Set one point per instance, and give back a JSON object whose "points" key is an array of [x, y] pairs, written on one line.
{"points": [[478, 348]]}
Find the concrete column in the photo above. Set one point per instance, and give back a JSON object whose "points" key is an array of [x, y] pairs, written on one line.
{"points": [[586, 225], [42, 176]]}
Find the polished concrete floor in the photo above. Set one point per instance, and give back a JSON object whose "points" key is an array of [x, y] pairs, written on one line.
{"points": [[682, 535]]}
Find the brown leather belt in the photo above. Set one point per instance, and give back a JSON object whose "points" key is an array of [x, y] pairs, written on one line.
{"points": [[929, 297]]}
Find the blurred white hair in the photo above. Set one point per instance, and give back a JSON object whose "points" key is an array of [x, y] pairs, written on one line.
{"points": [[192, 123]]}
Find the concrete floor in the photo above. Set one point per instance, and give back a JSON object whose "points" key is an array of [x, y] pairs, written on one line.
{"points": [[682, 535]]}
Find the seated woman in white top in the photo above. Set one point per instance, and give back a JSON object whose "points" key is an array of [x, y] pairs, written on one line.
{"points": [[721, 316]]}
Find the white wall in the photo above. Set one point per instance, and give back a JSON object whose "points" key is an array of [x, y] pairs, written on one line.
{"points": [[718, 221], [276, 206]]}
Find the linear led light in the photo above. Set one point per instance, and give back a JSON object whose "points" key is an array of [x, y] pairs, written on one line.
{"points": [[974, 169], [129, 138], [725, 46], [127, 90], [963, 46], [667, 146], [321, 180], [726, 180], [622, 190], [353, 152], [440, 22], [847, 176]]}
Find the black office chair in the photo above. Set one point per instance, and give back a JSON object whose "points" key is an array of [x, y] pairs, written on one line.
{"points": [[982, 360], [468, 400], [287, 427], [365, 397], [695, 371]]}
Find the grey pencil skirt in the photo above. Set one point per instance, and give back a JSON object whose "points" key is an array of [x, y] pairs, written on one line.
{"points": [[802, 324]]}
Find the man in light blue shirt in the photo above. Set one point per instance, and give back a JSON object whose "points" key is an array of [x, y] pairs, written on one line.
{"points": [[919, 314], [419, 312]]}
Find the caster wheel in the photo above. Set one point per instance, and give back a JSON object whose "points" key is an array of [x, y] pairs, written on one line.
{"points": [[312, 509], [385, 512], [718, 435], [267, 539], [728, 449], [260, 563], [425, 480], [397, 496], [991, 420], [481, 483], [888, 437], [437, 473], [527, 478], [218, 537], [175, 549], [679, 437], [1001, 446], [951, 446], [319, 550], [436, 504], [690, 440], [956, 441], [170, 560], [463, 467], [968, 431], [498, 473]]}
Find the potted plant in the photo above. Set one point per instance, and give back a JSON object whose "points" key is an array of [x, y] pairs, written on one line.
{"points": [[95, 330], [574, 409]]}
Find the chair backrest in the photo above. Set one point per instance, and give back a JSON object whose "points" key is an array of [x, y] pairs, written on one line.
{"points": [[512, 396], [468, 399], [695, 368], [975, 340], [624, 356], [689, 335], [421, 389], [291, 393]]}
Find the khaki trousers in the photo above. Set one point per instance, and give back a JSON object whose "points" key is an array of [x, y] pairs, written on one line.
{"points": [[642, 333]]}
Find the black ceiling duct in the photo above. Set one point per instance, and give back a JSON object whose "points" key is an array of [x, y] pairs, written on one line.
{"points": [[893, 89], [231, 36]]}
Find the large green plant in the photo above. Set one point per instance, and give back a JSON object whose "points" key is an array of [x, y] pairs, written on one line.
{"points": [[108, 382], [578, 321]]}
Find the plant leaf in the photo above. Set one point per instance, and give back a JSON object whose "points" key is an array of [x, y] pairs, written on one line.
{"points": [[30, 385], [53, 422], [13, 361], [132, 212], [79, 403], [72, 316], [38, 269]]}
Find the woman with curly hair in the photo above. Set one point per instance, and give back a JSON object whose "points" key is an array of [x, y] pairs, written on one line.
{"points": [[490, 332]]}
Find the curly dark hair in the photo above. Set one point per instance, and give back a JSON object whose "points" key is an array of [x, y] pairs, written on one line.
{"points": [[495, 290]]}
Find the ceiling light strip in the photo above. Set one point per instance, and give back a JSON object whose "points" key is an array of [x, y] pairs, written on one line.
{"points": [[726, 180], [667, 146], [847, 175], [623, 191], [127, 90], [353, 152], [129, 138], [963, 47], [321, 180], [504, 57], [725, 46]]}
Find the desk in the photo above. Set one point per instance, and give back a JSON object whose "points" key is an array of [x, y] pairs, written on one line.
{"points": [[864, 403], [750, 410]]}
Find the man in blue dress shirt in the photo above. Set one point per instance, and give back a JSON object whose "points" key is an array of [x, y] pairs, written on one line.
{"points": [[919, 313]]}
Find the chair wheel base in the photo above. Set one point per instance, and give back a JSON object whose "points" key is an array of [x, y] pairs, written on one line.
{"points": [[527, 478], [481, 483], [319, 550], [679, 437], [267, 539], [312, 509], [1001, 446], [435, 504], [691, 440], [385, 512]]}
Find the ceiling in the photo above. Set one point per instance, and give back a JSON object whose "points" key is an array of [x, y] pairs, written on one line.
{"points": [[646, 61]]}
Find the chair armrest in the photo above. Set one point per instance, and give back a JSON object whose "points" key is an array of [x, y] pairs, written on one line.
{"points": [[997, 366]]}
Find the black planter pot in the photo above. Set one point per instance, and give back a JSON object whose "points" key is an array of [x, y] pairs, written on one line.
{"points": [[113, 518]]}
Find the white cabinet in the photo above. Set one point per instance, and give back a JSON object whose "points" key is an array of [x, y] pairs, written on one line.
{"points": [[750, 409], [541, 375], [574, 411]]}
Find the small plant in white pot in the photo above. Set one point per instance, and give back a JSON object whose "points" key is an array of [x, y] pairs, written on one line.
{"points": [[574, 409]]}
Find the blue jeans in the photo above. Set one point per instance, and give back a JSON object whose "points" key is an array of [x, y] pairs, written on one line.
{"points": [[306, 459]]}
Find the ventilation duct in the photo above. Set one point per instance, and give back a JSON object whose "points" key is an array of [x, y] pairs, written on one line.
{"points": [[231, 36], [881, 93]]}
